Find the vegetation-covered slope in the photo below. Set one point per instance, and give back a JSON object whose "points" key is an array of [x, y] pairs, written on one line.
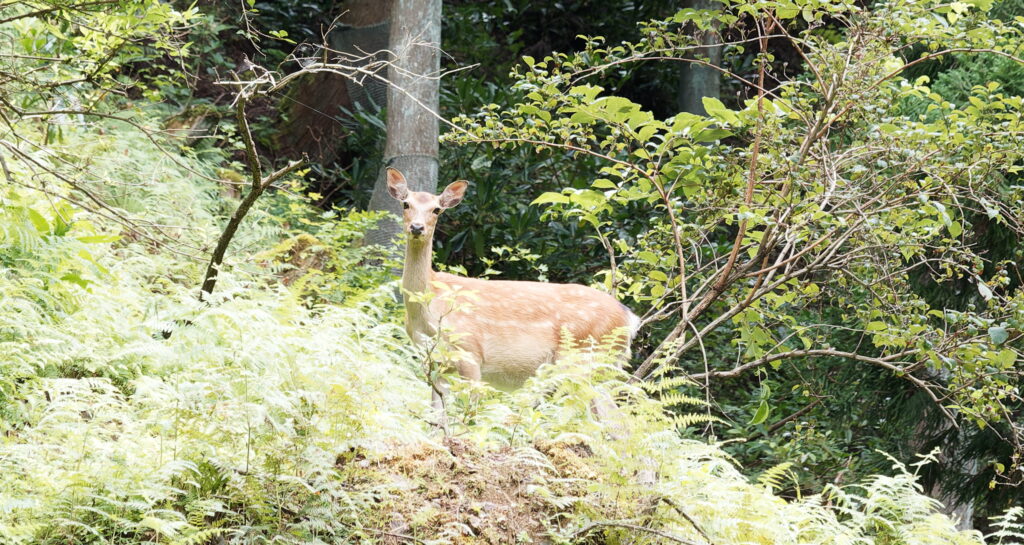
{"points": [[290, 407], [261, 418]]}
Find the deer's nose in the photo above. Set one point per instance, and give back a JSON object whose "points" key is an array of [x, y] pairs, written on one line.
{"points": [[416, 228]]}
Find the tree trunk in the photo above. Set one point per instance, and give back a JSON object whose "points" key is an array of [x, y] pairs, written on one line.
{"points": [[698, 81], [961, 511], [951, 461], [412, 127]]}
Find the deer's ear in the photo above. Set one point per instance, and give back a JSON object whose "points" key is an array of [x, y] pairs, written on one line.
{"points": [[397, 186], [453, 194]]}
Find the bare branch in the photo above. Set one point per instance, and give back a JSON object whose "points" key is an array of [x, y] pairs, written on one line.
{"points": [[612, 524]]}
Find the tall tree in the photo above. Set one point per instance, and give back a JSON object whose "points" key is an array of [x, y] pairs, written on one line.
{"points": [[412, 123], [697, 80]]}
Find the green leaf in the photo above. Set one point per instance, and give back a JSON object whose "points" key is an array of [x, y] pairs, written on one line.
{"points": [[717, 110], [588, 198], [583, 118], [528, 109], [710, 135], [647, 131], [762, 413], [97, 239], [690, 188], [37, 219], [589, 92], [983, 5], [648, 256], [1006, 357], [998, 334], [618, 107], [955, 229], [551, 197], [877, 326], [787, 11], [684, 120], [75, 278]]}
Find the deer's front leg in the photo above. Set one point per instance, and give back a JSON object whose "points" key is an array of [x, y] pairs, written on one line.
{"points": [[468, 369], [466, 366]]}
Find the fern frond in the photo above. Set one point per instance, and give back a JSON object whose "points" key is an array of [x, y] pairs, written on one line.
{"points": [[1009, 527], [671, 399], [659, 384], [691, 419], [772, 477]]}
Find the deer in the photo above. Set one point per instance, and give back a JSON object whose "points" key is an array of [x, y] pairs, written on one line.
{"points": [[502, 330]]}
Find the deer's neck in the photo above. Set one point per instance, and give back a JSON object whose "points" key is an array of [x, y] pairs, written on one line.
{"points": [[416, 277]]}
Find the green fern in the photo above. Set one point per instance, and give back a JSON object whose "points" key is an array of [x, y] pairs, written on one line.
{"points": [[272, 417], [672, 399], [772, 478], [201, 537], [656, 385], [686, 420], [1009, 527]]}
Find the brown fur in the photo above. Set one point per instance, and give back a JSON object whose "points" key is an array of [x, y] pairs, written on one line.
{"points": [[504, 330], [508, 329]]}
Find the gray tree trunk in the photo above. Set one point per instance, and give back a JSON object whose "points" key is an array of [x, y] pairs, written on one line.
{"points": [[411, 147], [960, 510], [699, 81]]}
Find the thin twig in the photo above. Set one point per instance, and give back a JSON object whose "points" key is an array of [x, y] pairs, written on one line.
{"points": [[675, 506], [595, 525], [806, 409], [886, 362]]}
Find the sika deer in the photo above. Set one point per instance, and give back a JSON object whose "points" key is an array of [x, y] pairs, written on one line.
{"points": [[502, 330]]}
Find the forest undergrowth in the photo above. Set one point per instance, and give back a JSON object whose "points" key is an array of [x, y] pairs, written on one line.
{"points": [[130, 412]]}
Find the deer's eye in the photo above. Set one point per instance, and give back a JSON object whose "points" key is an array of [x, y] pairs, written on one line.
{"points": [[437, 211], [405, 205]]}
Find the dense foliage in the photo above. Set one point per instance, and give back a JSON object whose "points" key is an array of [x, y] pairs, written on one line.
{"points": [[829, 265], [797, 225]]}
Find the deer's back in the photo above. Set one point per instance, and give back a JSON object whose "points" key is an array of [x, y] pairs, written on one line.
{"points": [[511, 328]]}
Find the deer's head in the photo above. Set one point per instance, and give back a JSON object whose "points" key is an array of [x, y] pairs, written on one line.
{"points": [[421, 209]]}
